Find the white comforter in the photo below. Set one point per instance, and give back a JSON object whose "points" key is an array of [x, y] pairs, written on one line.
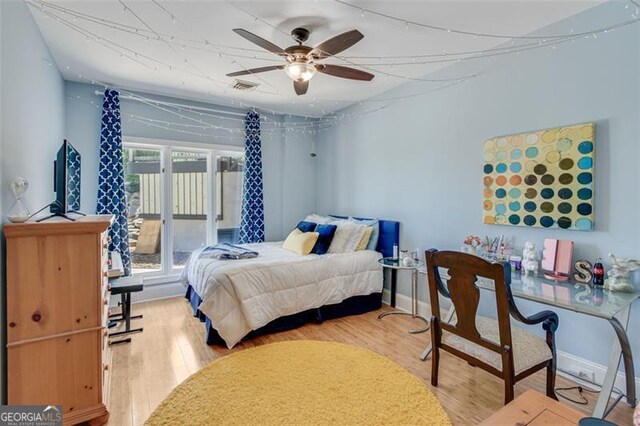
{"points": [[243, 295]]}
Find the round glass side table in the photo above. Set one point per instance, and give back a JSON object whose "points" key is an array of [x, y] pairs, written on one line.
{"points": [[396, 264]]}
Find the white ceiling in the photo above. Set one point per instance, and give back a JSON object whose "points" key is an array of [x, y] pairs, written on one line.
{"points": [[199, 73]]}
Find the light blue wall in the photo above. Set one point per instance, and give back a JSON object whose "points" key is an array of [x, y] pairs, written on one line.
{"points": [[31, 118], [299, 175], [420, 160], [33, 124], [289, 176]]}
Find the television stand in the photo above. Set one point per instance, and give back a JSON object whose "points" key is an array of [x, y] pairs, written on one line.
{"points": [[62, 215], [51, 216]]}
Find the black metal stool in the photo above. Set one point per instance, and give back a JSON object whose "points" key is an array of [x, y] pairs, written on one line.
{"points": [[124, 290]]}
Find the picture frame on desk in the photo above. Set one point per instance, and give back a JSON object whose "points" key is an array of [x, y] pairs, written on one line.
{"points": [[556, 259]]}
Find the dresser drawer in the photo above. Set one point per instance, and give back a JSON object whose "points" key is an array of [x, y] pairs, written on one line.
{"points": [[62, 370], [54, 285]]}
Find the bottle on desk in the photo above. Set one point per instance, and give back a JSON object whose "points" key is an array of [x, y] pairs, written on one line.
{"points": [[598, 273]]}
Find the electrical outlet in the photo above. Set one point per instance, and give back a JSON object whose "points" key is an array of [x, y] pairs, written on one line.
{"points": [[587, 375], [582, 373]]}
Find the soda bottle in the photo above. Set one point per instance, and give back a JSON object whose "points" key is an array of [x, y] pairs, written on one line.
{"points": [[598, 273]]}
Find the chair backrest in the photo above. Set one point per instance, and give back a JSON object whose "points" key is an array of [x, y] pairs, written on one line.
{"points": [[463, 270]]}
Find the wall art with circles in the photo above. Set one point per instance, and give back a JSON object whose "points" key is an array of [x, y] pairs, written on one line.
{"points": [[541, 179]]}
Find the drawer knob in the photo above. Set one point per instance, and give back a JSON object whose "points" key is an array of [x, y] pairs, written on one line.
{"points": [[12, 324], [108, 287], [36, 317], [106, 367], [105, 274], [106, 302]]}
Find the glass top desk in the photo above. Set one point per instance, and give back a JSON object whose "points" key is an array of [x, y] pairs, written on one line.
{"points": [[584, 299]]}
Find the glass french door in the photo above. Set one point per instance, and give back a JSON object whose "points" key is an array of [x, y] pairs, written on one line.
{"points": [[179, 199], [190, 210], [229, 180], [143, 182]]}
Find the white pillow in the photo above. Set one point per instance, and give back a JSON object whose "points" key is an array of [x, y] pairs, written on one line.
{"points": [[316, 218], [347, 236]]}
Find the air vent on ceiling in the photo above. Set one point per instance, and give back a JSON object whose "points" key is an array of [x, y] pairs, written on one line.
{"points": [[244, 85]]}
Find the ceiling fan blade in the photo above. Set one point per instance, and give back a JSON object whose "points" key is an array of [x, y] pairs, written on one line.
{"points": [[301, 87], [337, 44], [260, 42], [344, 72], [256, 70]]}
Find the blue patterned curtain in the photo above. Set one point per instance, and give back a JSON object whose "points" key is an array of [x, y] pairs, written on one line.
{"points": [[252, 222], [111, 191]]}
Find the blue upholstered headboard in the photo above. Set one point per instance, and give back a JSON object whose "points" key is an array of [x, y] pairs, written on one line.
{"points": [[389, 234]]}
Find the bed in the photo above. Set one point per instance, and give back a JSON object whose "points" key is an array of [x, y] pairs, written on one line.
{"points": [[280, 290]]}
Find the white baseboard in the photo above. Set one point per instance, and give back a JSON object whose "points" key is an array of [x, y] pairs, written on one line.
{"points": [[404, 303], [566, 362]]}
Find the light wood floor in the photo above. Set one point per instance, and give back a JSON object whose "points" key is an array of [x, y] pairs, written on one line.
{"points": [[172, 347]]}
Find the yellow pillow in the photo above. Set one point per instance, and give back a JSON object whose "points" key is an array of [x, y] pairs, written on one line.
{"points": [[365, 238], [300, 242]]}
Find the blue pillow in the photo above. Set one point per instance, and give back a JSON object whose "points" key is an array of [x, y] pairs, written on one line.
{"points": [[375, 235], [326, 232], [305, 226]]}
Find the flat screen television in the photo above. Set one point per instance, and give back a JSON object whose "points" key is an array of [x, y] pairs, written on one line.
{"points": [[66, 181]]}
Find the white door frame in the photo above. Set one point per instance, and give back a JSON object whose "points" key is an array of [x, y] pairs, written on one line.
{"points": [[168, 273]]}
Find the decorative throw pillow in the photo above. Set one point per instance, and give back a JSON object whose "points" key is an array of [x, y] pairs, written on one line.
{"points": [[300, 242], [356, 237], [362, 245], [316, 218], [305, 226], [347, 236], [375, 235], [326, 233]]}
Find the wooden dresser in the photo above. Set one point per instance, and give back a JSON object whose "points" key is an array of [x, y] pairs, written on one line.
{"points": [[57, 308]]}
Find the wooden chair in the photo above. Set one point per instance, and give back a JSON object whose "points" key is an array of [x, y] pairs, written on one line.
{"points": [[511, 354]]}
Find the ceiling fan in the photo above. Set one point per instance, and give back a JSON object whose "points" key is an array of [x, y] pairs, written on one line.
{"points": [[301, 60]]}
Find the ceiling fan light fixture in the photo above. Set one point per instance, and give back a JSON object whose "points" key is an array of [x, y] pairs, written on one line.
{"points": [[300, 71], [300, 59]]}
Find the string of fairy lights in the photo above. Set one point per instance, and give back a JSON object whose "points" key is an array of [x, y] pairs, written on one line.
{"points": [[194, 119], [135, 56], [411, 23], [78, 22], [202, 128], [141, 32], [415, 59], [175, 19]]}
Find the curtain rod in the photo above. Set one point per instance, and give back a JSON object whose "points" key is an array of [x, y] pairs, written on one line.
{"points": [[134, 98]]}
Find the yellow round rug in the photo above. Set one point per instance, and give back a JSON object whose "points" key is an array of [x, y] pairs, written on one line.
{"points": [[301, 383]]}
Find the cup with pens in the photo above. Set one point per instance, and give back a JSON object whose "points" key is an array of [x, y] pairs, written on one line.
{"points": [[498, 248]]}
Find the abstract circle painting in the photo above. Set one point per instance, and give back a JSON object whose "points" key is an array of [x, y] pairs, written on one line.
{"points": [[549, 174]]}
